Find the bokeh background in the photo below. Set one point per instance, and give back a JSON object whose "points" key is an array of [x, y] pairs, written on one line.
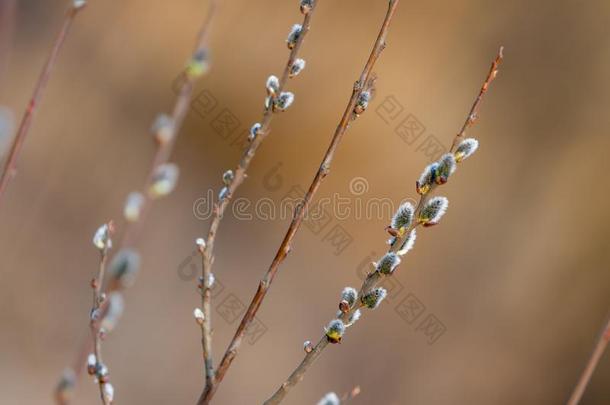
{"points": [[517, 273]]}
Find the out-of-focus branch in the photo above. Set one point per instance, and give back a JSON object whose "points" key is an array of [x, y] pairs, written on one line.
{"points": [[598, 351], [160, 180], [96, 363], [10, 166]]}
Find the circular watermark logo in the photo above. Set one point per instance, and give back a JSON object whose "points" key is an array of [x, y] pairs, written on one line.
{"points": [[358, 186]]}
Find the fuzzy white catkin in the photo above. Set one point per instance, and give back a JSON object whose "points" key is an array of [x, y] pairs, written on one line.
{"points": [[163, 128], [403, 216], [164, 180], [124, 267], [133, 206], [349, 294], [466, 148], [388, 263], [108, 392], [254, 131], [408, 243], [445, 168], [101, 238], [284, 100], [330, 399], [293, 36], [433, 210], [374, 298], [297, 67], [114, 312]]}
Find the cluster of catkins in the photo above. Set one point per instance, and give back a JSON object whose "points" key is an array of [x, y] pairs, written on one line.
{"points": [[428, 212]]}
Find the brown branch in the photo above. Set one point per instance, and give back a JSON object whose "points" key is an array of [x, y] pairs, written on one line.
{"points": [[238, 178], [298, 373], [473, 115], [373, 278], [587, 373], [206, 325], [350, 113], [98, 300], [10, 167], [180, 109], [162, 155]]}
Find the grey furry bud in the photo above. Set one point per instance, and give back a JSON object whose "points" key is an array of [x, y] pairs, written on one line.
{"points": [[78, 4], [465, 149], [445, 168], [101, 238], [388, 263], [65, 387], [335, 330], [403, 217], [432, 212], [164, 180], [353, 318], [330, 399], [223, 193], [228, 177], [408, 243], [199, 316], [108, 392], [294, 35], [91, 364], [124, 267], [363, 102], [283, 101], [306, 6], [113, 313], [163, 128], [374, 298], [426, 179], [297, 67], [254, 131], [308, 346], [198, 65], [133, 206], [350, 295], [273, 85]]}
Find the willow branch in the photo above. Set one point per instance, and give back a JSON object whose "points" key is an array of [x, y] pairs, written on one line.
{"points": [[364, 83], [161, 156], [473, 115], [375, 277], [98, 299], [587, 373], [179, 111], [10, 167], [238, 178]]}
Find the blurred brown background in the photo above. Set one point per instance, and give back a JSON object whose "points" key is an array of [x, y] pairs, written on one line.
{"points": [[517, 273]]}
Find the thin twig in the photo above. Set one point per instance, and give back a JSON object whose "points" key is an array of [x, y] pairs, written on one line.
{"points": [[162, 155], [373, 278], [206, 325], [98, 299], [473, 115], [363, 83], [212, 378], [587, 373], [10, 167]]}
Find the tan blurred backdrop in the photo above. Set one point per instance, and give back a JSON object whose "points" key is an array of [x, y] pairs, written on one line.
{"points": [[516, 275]]}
